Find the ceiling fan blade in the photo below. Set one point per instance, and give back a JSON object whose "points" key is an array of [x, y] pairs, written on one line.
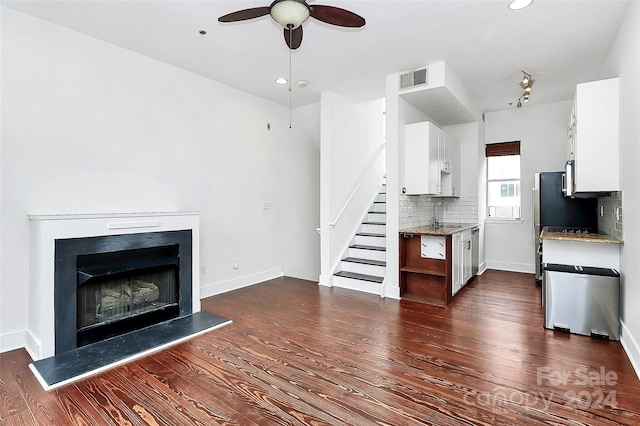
{"points": [[296, 37], [337, 16], [243, 15]]}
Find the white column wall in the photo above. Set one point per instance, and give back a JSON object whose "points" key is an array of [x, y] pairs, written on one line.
{"points": [[624, 62]]}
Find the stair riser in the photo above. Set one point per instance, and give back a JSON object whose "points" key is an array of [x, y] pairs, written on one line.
{"points": [[376, 217], [382, 197], [374, 229], [367, 254], [358, 285], [361, 268], [371, 241], [379, 207]]}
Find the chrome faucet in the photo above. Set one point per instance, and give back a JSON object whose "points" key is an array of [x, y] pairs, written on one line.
{"points": [[434, 221]]}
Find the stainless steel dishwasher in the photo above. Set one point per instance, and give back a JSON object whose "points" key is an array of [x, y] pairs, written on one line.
{"points": [[475, 251], [582, 300]]}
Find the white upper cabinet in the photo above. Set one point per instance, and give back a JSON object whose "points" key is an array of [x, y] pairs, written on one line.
{"points": [[450, 170], [594, 138], [421, 163], [431, 161]]}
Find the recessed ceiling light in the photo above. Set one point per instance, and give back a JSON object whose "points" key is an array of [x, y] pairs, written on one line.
{"points": [[519, 4], [282, 81]]}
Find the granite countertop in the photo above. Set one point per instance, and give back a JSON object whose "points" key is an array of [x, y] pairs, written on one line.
{"points": [[444, 229], [591, 238]]}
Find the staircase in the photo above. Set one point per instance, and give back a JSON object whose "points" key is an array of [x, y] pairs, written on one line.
{"points": [[364, 267]]}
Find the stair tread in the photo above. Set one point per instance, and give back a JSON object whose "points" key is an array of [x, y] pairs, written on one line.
{"points": [[362, 277], [370, 234], [365, 247], [378, 212], [365, 261], [373, 223]]}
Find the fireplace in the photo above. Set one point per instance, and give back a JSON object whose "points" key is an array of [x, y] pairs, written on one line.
{"points": [[94, 277], [125, 290], [109, 285]]}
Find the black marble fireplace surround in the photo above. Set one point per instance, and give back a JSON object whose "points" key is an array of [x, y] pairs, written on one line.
{"points": [[106, 286]]}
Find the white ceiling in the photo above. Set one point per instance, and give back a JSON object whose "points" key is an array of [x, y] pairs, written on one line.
{"points": [[560, 42]]}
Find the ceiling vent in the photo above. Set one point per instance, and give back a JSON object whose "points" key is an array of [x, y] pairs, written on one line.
{"points": [[414, 78]]}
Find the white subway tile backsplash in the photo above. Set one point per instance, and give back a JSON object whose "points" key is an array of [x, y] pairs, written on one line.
{"points": [[609, 223], [418, 210]]}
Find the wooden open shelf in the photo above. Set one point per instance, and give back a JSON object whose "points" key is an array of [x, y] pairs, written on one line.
{"points": [[422, 279]]}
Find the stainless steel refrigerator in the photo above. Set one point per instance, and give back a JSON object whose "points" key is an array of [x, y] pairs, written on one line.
{"points": [[552, 208]]}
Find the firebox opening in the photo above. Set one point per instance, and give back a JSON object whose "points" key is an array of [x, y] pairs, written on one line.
{"points": [[125, 290], [111, 285]]}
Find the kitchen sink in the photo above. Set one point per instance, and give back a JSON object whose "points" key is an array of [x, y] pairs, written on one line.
{"points": [[447, 225]]}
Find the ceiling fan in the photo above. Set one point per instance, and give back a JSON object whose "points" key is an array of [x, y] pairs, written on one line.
{"points": [[291, 14]]}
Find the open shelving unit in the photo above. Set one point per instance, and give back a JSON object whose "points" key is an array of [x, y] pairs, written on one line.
{"points": [[424, 280]]}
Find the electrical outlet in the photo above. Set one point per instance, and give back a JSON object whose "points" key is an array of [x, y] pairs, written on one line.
{"points": [[203, 270], [266, 206]]}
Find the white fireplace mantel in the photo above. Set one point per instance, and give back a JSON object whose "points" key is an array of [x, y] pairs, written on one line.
{"points": [[45, 229]]}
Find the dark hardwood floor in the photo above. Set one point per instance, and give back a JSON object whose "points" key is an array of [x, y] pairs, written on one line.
{"points": [[302, 354]]}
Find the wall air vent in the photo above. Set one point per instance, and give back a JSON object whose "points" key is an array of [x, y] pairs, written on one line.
{"points": [[414, 78]]}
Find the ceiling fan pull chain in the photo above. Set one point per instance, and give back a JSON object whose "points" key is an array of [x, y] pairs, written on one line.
{"points": [[290, 41]]}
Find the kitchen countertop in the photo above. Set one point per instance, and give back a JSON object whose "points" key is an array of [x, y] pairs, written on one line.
{"points": [[591, 238], [445, 229]]}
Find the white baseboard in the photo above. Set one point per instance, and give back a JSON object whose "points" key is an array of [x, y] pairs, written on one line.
{"points": [[237, 283], [392, 292], [325, 281], [18, 340], [526, 268], [482, 268], [11, 341], [631, 347]]}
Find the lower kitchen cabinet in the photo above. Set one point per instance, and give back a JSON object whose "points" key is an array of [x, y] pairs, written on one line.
{"points": [[424, 279], [462, 260], [433, 268]]}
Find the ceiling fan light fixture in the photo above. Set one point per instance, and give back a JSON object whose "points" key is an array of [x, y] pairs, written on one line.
{"points": [[519, 4], [289, 13]]}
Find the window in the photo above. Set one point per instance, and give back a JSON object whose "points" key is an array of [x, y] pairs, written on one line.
{"points": [[503, 180]]}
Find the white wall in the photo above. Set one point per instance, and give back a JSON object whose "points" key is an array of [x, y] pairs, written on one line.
{"points": [[350, 139], [542, 132], [625, 63], [88, 127]]}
